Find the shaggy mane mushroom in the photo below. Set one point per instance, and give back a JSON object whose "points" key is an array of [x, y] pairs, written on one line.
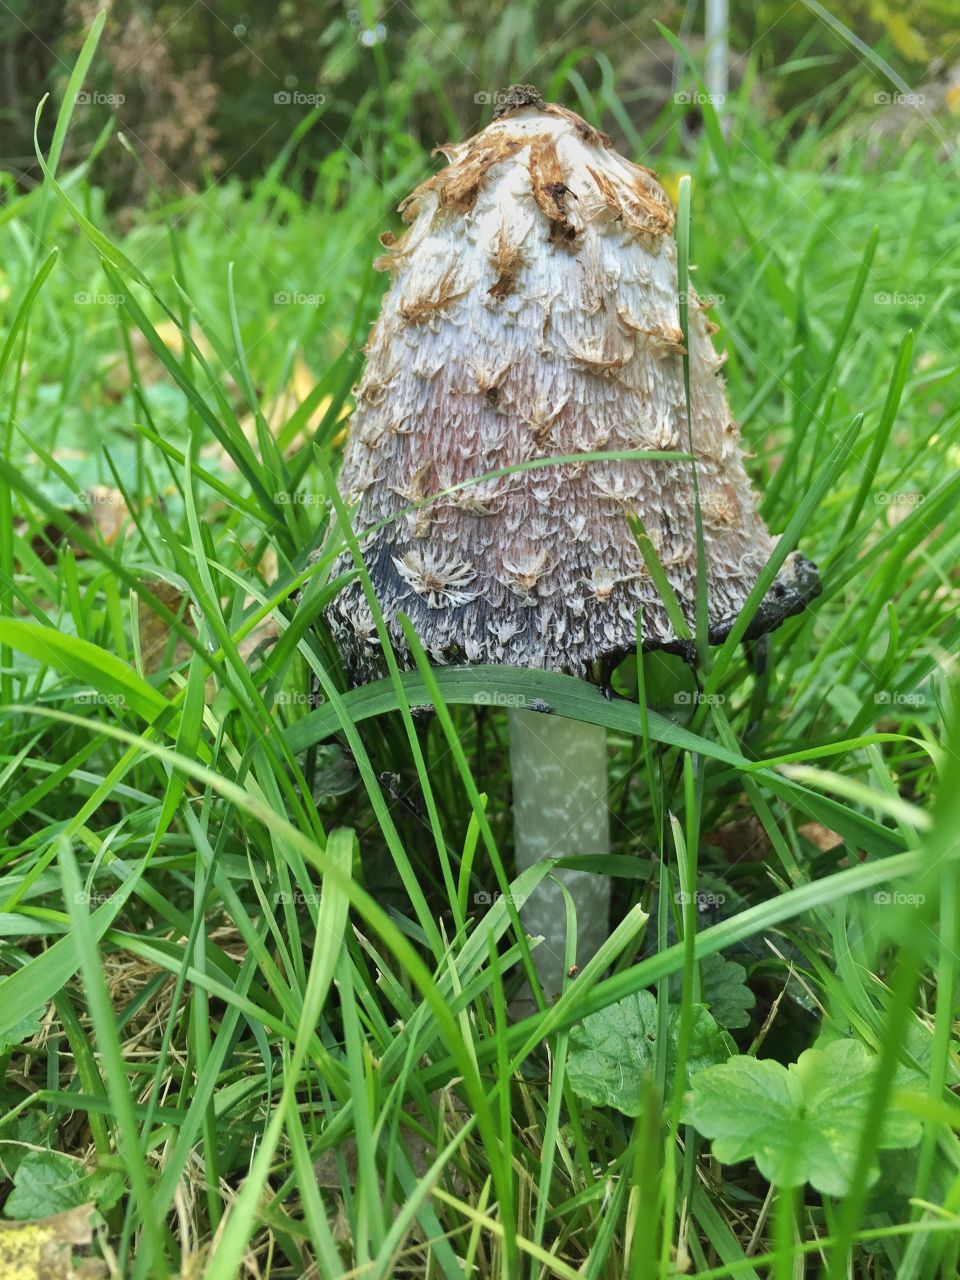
{"points": [[533, 313]]}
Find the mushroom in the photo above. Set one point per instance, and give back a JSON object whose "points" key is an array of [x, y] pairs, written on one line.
{"points": [[533, 313]]}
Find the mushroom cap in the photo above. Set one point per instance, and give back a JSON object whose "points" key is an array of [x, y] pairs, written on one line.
{"points": [[533, 313]]}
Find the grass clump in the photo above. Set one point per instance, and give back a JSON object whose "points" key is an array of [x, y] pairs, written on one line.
{"points": [[257, 953]]}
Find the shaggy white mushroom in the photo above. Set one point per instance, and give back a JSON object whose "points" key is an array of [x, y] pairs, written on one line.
{"points": [[533, 313]]}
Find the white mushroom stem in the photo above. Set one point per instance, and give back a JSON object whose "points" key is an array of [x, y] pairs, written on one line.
{"points": [[560, 809]]}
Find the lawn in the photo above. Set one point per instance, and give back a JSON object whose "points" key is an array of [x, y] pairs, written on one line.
{"points": [[258, 942]]}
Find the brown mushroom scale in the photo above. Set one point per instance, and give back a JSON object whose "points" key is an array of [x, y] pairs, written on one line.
{"points": [[533, 313]]}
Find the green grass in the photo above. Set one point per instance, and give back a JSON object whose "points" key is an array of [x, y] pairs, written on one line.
{"points": [[254, 978]]}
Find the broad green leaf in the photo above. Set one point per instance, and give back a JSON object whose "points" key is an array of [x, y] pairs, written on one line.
{"points": [[45, 1183], [611, 1052], [19, 1137], [494, 686], [800, 1123], [484, 686], [723, 990], [22, 1030], [748, 923]]}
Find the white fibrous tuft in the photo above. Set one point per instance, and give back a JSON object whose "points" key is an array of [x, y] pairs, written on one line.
{"points": [[533, 314], [437, 578]]}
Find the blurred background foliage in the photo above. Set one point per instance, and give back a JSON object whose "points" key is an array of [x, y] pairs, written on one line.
{"points": [[214, 88]]}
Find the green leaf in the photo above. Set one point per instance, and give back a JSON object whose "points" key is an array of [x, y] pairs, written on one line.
{"points": [[23, 310], [106, 247], [658, 574], [723, 989], [45, 1183], [46, 973], [800, 1123], [65, 114], [70, 97], [612, 1051], [518, 687], [85, 662], [26, 1027], [484, 686], [799, 521]]}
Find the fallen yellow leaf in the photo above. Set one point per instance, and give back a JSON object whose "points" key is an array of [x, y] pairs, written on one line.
{"points": [[43, 1250], [108, 509]]}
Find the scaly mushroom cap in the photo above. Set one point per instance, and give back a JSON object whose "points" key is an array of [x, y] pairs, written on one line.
{"points": [[533, 312]]}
